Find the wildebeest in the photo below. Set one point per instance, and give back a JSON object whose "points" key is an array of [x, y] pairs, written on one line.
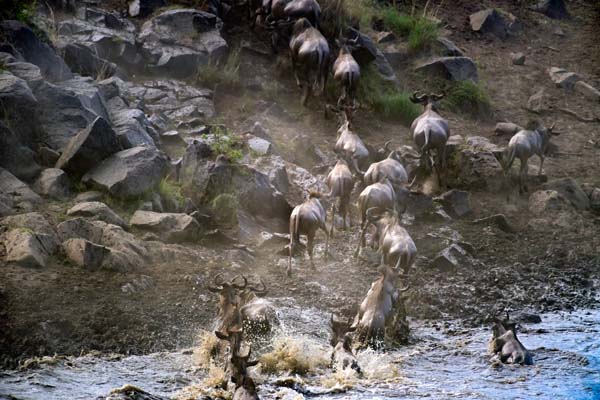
{"points": [[505, 343], [532, 140], [349, 145], [346, 72], [342, 356], [241, 307], [390, 168], [245, 389], [259, 9], [308, 9], [378, 198], [310, 58], [431, 132], [377, 310], [397, 248], [340, 182], [306, 219]]}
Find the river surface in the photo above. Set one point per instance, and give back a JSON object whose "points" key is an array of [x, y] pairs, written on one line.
{"points": [[445, 361]]}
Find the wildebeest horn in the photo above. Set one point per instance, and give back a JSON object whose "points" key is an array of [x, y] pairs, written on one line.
{"points": [[240, 287], [218, 283], [416, 98], [437, 97], [404, 289], [387, 145], [258, 291]]}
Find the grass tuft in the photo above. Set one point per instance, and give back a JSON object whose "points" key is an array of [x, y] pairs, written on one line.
{"points": [[420, 31], [470, 98], [384, 99], [224, 207], [226, 144], [169, 189], [225, 73]]}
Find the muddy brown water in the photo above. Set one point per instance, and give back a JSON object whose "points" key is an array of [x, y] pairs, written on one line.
{"points": [[440, 363]]}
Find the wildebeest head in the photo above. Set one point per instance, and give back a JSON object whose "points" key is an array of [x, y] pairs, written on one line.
{"points": [[427, 100], [229, 301], [501, 326], [240, 365], [339, 331]]}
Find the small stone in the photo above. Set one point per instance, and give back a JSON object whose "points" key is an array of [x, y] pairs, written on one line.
{"points": [[259, 146], [84, 253], [559, 32], [517, 58], [588, 90], [456, 203], [537, 102], [53, 183], [562, 78]]}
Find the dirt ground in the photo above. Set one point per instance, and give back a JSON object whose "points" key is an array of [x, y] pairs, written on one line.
{"points": [[541, 267]]}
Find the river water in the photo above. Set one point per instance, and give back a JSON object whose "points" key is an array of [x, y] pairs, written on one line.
{"points": [[445, 361]]}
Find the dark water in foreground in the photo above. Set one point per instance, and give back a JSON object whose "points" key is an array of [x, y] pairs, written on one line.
{"points": [[442, 364]]}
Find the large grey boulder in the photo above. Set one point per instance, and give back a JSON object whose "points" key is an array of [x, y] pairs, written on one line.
{"points": [[556, 9], [171, 227], [570, 190], [129, 173], [493, 21], [89, 147], [79, 228], [32, 222], [16, 155], [84, 253], [53, 183], [451, 68], [176, 42], [96, 210], [547, 203], [85, 61], [457, 203], [28, 72], [30, 48], [472, 165], [366, 52], [15, 195], [131, 125], [27, 248]]}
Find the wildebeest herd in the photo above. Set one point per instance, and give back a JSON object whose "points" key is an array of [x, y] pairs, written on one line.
{"points": [[386, 186]]}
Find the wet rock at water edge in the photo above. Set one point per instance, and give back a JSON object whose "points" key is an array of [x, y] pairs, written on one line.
{"points": [[84, 253], [89, 147], [97, 211], [53, 183], [172, 227], [129, 173]]}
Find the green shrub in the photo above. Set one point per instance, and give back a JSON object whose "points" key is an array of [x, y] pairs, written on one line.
{"points": [[225, 73], [169, 189], [224, 207], [402, 24], [385, 99], [226, 144], [470, 98], [420, 31]]}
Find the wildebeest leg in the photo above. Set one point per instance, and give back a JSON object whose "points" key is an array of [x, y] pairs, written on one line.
{"points": [[310, 247], [443, 167], [522, 176], [305, 94], [324, 229], [541, 165], [361, 239], [295, 69], [332, 218]]}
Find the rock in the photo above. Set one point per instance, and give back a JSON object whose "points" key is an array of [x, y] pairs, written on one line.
{"points": [[595, 199], [587, 90], [570, 190], [90, 195], [396, 53], [547, 202], [271, 241], [129, 173], [84, 253], [259, 146], [517, 58], [305, 153], [172, 227], [79, 228], [89, 147], [499, 220], [537, 102], [473, 165], [33, 222], [97, 211], [15, 153], [384, 37], [419, 204], [456, 203], [28, 249], [506, 128], [446, 260], [562, 78], [559, 32], [131, 126], [525, 317], [53, 183], [126, 251], [555, 9], [492, 21], [176, 41], [143, 8], [451, 68], [47, 156], [15, 195], [85, 61], [28, 46], [447, 48], [366, 52]]}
